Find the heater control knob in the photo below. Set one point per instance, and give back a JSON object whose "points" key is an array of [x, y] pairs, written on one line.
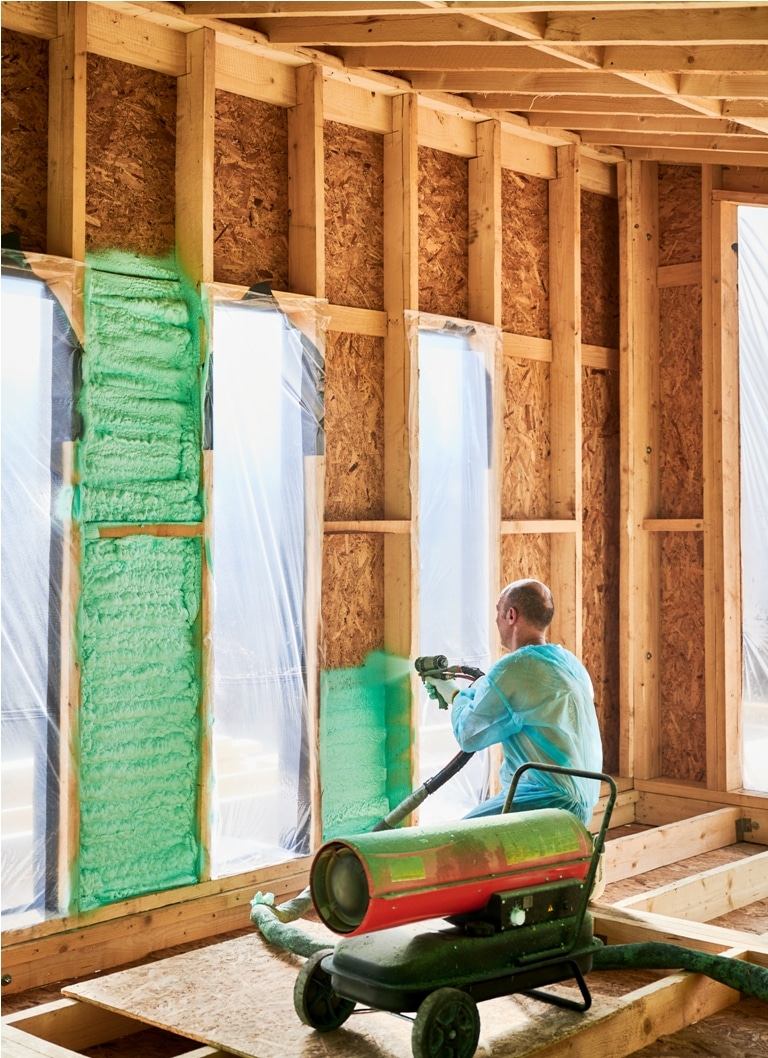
{"points": [[516, 916]]}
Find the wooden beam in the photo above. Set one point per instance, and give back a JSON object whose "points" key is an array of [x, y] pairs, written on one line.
{"points": [[484, 286], [688, 58], [69, 697], [452, 133], [755, 144], [673, 525], [127, 38], [70, 1023], [722, 553], [306, 223], [357, 321], [402, 528], [639, 558], [636, 1020], [400, 295], [638, 853], [194, 157], [708, 894], [33, 19], [248, 74], [540, 526], [618, 925], [66, 133], [668, 26], [679, 275], [680, 156], [59, 949], [565, 395]]}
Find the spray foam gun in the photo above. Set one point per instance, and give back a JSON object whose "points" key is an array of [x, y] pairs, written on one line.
{"points": [[436, 666]]}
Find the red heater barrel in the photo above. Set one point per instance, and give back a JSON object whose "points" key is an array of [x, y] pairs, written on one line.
{"points": [[374, 881]]}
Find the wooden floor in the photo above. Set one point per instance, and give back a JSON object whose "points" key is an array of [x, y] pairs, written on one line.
{"points": [[235, 997]]}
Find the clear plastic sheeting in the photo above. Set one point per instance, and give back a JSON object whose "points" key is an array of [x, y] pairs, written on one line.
{"points": [[38, 358], [455, 371], [267, 447], [753, 392]]}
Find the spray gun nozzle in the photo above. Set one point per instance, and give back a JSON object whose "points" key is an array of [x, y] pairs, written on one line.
{"points": [[430, 663]]}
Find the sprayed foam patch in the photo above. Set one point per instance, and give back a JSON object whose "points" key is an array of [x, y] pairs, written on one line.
{"points": [[139, 716], [139, 457], [364, 732]]}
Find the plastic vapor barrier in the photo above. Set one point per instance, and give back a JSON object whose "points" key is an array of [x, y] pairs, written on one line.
{"points": [[40, 360], [453, 409], [753, 394], [266, 376]]}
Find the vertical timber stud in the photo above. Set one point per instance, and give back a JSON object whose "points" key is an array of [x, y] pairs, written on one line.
{"points": [[722, 557], [196, 109], [485, 307], [196, 102], [66, 133], [306, 215], [401, 259], [565, 396], [485, 226], [639, 386]]}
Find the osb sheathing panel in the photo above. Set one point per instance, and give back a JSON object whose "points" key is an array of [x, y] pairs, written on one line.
{"points": [[353, 598], [681, 665], [600, 550], [250, 189], [130, 178], [354, 217], [525, 555], [443, 233], [599, 270], [679, 214], [524, 254], [680, 379], [526, 456], [354, 427], [25, 139]]}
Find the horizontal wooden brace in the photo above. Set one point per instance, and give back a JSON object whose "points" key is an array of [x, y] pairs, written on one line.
{"points": [[538, 525], [383, 526], [159, 529], [673, 525]]}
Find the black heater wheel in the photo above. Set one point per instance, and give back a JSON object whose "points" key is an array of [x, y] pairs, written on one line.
{"points": [[447, 1025], [314, 999]]}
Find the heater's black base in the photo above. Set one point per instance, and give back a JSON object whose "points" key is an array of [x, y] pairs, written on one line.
{"points": [[396, 969]]}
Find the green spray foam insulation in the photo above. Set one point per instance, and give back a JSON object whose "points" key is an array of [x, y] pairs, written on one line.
{"points": [[365, 740], [139, 718], [140, 401]]}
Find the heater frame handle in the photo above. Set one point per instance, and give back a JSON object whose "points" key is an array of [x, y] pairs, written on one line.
{"points": [[599, 840]]}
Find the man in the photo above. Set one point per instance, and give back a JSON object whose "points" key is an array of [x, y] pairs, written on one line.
{"points": [[538, 703]]}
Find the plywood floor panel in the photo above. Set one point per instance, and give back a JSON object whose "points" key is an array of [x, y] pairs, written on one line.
{"points": [[238, 996]]}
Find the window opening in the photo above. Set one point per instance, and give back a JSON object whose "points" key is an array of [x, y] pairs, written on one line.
{"points": [[266, 423], [753, 398], [37, 417], [454, 554]]}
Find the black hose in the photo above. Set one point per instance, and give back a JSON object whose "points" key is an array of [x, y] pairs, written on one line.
{"points": [[745, 977], [452, 767]]}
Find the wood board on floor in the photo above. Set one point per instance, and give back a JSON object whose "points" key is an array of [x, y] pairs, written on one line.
{"points": [[238, 997]]}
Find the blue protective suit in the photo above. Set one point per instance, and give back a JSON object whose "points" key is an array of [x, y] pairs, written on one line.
{"points": [[538, 702]]}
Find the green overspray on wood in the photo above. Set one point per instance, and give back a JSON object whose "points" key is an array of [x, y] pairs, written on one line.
{"points": [[365, 740]]}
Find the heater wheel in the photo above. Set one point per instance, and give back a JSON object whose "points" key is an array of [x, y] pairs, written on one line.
{"points": [[314, 999], [447, 1025]]}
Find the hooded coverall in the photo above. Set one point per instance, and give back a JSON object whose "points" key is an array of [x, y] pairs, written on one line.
{"points": [[538, 703]]}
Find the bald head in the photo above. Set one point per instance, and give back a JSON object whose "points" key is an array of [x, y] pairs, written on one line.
{"points": [[532, 600]]}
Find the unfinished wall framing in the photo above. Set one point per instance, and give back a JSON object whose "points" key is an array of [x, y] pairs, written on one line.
{"points": [[613, 285]]}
